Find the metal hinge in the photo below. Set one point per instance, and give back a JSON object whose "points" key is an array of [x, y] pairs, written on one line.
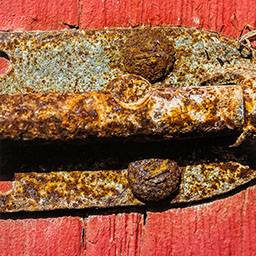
{"points": [[164, 82]]}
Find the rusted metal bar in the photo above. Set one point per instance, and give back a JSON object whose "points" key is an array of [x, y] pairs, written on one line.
{"points": [[100, 189], [80, 61], [165, 112], [245, 76]]}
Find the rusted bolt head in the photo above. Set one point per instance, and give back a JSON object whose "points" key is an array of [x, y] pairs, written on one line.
{"points": [[129, 89], [148, 53], [153, 179]]}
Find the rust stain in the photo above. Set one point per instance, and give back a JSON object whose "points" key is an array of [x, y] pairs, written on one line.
{"points": [[148, 53], [208, 180], [81, 62], [245, 76], [68, 190], [100, 189]]}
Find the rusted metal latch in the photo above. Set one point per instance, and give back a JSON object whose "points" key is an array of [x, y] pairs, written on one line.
{"points": [[169, 82]]}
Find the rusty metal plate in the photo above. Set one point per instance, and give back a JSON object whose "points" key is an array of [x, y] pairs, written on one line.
{"points": [[100, 189], [84, 60]]}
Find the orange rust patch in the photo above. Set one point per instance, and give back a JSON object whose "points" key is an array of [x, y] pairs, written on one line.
{"points": [[153, 179]]}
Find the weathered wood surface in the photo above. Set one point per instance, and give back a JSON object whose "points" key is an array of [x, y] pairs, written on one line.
{"points": [[224, 227], [218, 15]]}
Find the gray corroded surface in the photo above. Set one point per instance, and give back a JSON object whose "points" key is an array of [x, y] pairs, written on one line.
{"points": [[83, 61], [87, 60]]}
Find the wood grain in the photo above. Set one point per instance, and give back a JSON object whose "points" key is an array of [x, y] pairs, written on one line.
{"points": [[116, 234], [34, 237], [224, 227], [225, 16], [22, 15]]}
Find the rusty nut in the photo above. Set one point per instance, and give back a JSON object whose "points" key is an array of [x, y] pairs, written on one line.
{"points": [[153, 179]]}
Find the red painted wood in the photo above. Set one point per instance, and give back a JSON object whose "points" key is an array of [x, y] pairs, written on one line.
{"points": [[224, 227], [5, 186], [36, 237], [117, 234], [228, 16], [24, 15], [4, 65]]}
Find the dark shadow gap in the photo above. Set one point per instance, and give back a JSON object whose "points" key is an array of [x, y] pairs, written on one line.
{"points": [[4, 55], [39, 156]]}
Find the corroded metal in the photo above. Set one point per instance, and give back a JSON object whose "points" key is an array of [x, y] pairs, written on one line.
{"points": [[150, 55], [75, 85], [165, 112], [100, 189], [207, 180], [245, 75], [68, 190], [83, 60]]}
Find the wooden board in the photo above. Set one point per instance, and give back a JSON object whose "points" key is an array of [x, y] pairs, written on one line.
{"points": [[224, 227], [225, 16]]}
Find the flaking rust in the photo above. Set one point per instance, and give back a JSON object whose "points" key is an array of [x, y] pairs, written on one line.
{"points": [[153, 179], [62, 70], [102, 189], [245, 75]]}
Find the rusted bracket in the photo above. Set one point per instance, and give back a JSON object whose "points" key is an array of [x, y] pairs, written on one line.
{"points": [[144, 182], [73, 63], [168, 82]]}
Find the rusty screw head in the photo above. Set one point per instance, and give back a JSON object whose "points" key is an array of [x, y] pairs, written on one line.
{"points": [[129, 90], [153, 179], [148, 53]]}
